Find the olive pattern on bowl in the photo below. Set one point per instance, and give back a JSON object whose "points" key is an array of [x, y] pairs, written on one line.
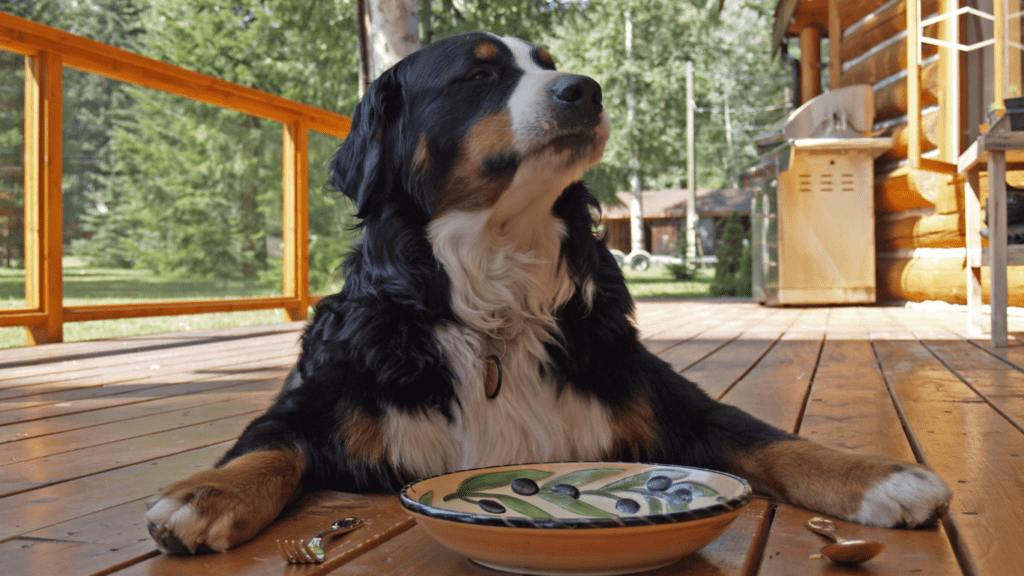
{"points": [[581, 493]]}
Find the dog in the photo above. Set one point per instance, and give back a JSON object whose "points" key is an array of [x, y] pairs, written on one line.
{"points": [[483, 322]]}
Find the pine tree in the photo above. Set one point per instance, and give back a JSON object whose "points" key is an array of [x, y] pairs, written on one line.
{"points": [[730, 277], [198, 188]]}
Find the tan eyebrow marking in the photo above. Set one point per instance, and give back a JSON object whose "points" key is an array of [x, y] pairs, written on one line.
{"points": [[485, 51], [545, 57]]}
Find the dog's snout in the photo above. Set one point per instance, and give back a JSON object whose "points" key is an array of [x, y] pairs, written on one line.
{"points": [[578, 91]]}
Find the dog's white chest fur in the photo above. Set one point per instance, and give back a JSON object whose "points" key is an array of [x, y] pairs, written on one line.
{"points": [[506, 294]]}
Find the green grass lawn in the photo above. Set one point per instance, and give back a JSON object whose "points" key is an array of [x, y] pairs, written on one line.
{"points": [[85, 286], [658, 282], [88, 286]]}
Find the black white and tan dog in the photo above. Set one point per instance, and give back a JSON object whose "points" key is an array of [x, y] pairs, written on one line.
{"points": [[482, 322]]}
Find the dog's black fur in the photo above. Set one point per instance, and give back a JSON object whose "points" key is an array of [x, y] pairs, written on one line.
{"points": [[449, 133]]}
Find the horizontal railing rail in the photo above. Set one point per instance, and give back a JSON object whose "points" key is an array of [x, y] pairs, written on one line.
{"points": [[48, 51]]}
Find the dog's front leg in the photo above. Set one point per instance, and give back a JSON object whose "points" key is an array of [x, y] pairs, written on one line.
{"points": [[872, 490], [221, 508]]}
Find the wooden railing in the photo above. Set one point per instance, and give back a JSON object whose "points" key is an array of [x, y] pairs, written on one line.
{"points": [[47, 52]]}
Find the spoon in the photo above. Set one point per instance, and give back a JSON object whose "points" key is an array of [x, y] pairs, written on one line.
{"points": [[843, 551]]}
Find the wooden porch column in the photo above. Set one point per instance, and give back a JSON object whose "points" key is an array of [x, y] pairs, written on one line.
{"points": [[835, 44], [810, 63], [44, 208], [295, 219], [999, 55], [951, 131], [913, 87]]}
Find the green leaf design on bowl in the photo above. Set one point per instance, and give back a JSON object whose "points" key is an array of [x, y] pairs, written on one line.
{"points": [[492, 485], [640, 480], [698, 489], [575, 506], [492, 480], [522, 506], [581, 477]]}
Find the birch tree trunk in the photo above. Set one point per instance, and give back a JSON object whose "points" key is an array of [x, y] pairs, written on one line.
{"points": [[388, 32], [636, 209]]}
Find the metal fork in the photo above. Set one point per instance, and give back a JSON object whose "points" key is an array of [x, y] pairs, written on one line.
{"points": [[301, 552]]}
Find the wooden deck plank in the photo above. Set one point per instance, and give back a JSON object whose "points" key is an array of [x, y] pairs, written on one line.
{"points": [[241, 400], [183, 383], [56, 358], [819, 369], [977, 451], [790, 547], [133, 369], [954, 319], [46, 471], [983, 370], [51, 505], [384, 519], [850, 409], [718, 373], [685, 354], [987, 376], [775, 389], [680, 324], [92, 544], [36, 429], [148, 378]]}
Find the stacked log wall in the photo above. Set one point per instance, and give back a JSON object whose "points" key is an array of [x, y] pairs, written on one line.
{"points": [[920, 229]]}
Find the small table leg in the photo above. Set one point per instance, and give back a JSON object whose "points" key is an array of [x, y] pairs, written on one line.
{"points": [[972, 216], [997, 245]]}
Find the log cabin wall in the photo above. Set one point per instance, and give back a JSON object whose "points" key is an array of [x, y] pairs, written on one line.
{"points": [[919, 209]]}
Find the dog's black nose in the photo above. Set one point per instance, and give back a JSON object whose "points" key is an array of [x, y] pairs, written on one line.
{"points": [[579, 91]]}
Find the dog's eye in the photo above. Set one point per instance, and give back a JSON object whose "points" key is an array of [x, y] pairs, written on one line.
{"points": [[480, 75]]}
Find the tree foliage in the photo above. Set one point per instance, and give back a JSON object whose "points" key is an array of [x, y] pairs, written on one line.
{"points": [[731, 57], [92, 105], [733, 271], [158, 181]]}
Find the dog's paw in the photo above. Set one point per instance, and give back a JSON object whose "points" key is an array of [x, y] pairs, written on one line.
{"points": [[191, 519], [909, 497], [221, 508]]}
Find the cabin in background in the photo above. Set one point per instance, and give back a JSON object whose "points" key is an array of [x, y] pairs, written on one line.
{"points": [[939, 83], [665, 214]]}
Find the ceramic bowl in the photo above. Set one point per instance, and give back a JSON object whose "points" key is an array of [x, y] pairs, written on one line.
{"points": [[576, 518]]}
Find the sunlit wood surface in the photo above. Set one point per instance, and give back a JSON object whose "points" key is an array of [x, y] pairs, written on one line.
{"points": [[89, 430]]}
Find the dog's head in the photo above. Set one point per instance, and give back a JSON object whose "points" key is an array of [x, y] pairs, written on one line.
{"points": [[471, 122]]}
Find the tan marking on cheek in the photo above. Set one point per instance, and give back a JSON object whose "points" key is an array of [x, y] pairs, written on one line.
{"points": [[485, 51], [363, 438], [421, 158], [545, 57], [468, 185]]}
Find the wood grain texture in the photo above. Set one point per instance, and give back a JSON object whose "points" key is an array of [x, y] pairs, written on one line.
{"points": [[825, 372], [849, 409], [974, 448]]}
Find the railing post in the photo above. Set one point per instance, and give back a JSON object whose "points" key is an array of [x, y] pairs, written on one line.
{"points": [[295, 218], [44, 202], [835, 43], [810, 63], [949, 79], [1000, 55], [913, 84]]}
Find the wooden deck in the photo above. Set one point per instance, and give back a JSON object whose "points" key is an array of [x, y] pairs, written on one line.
{"points": [[89, 430]]}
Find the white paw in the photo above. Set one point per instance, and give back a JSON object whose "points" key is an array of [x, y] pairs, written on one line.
{"points": [[907, 498], [179, 528]]}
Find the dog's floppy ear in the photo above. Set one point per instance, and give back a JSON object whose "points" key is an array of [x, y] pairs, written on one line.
{"points": [[360, 168]]}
